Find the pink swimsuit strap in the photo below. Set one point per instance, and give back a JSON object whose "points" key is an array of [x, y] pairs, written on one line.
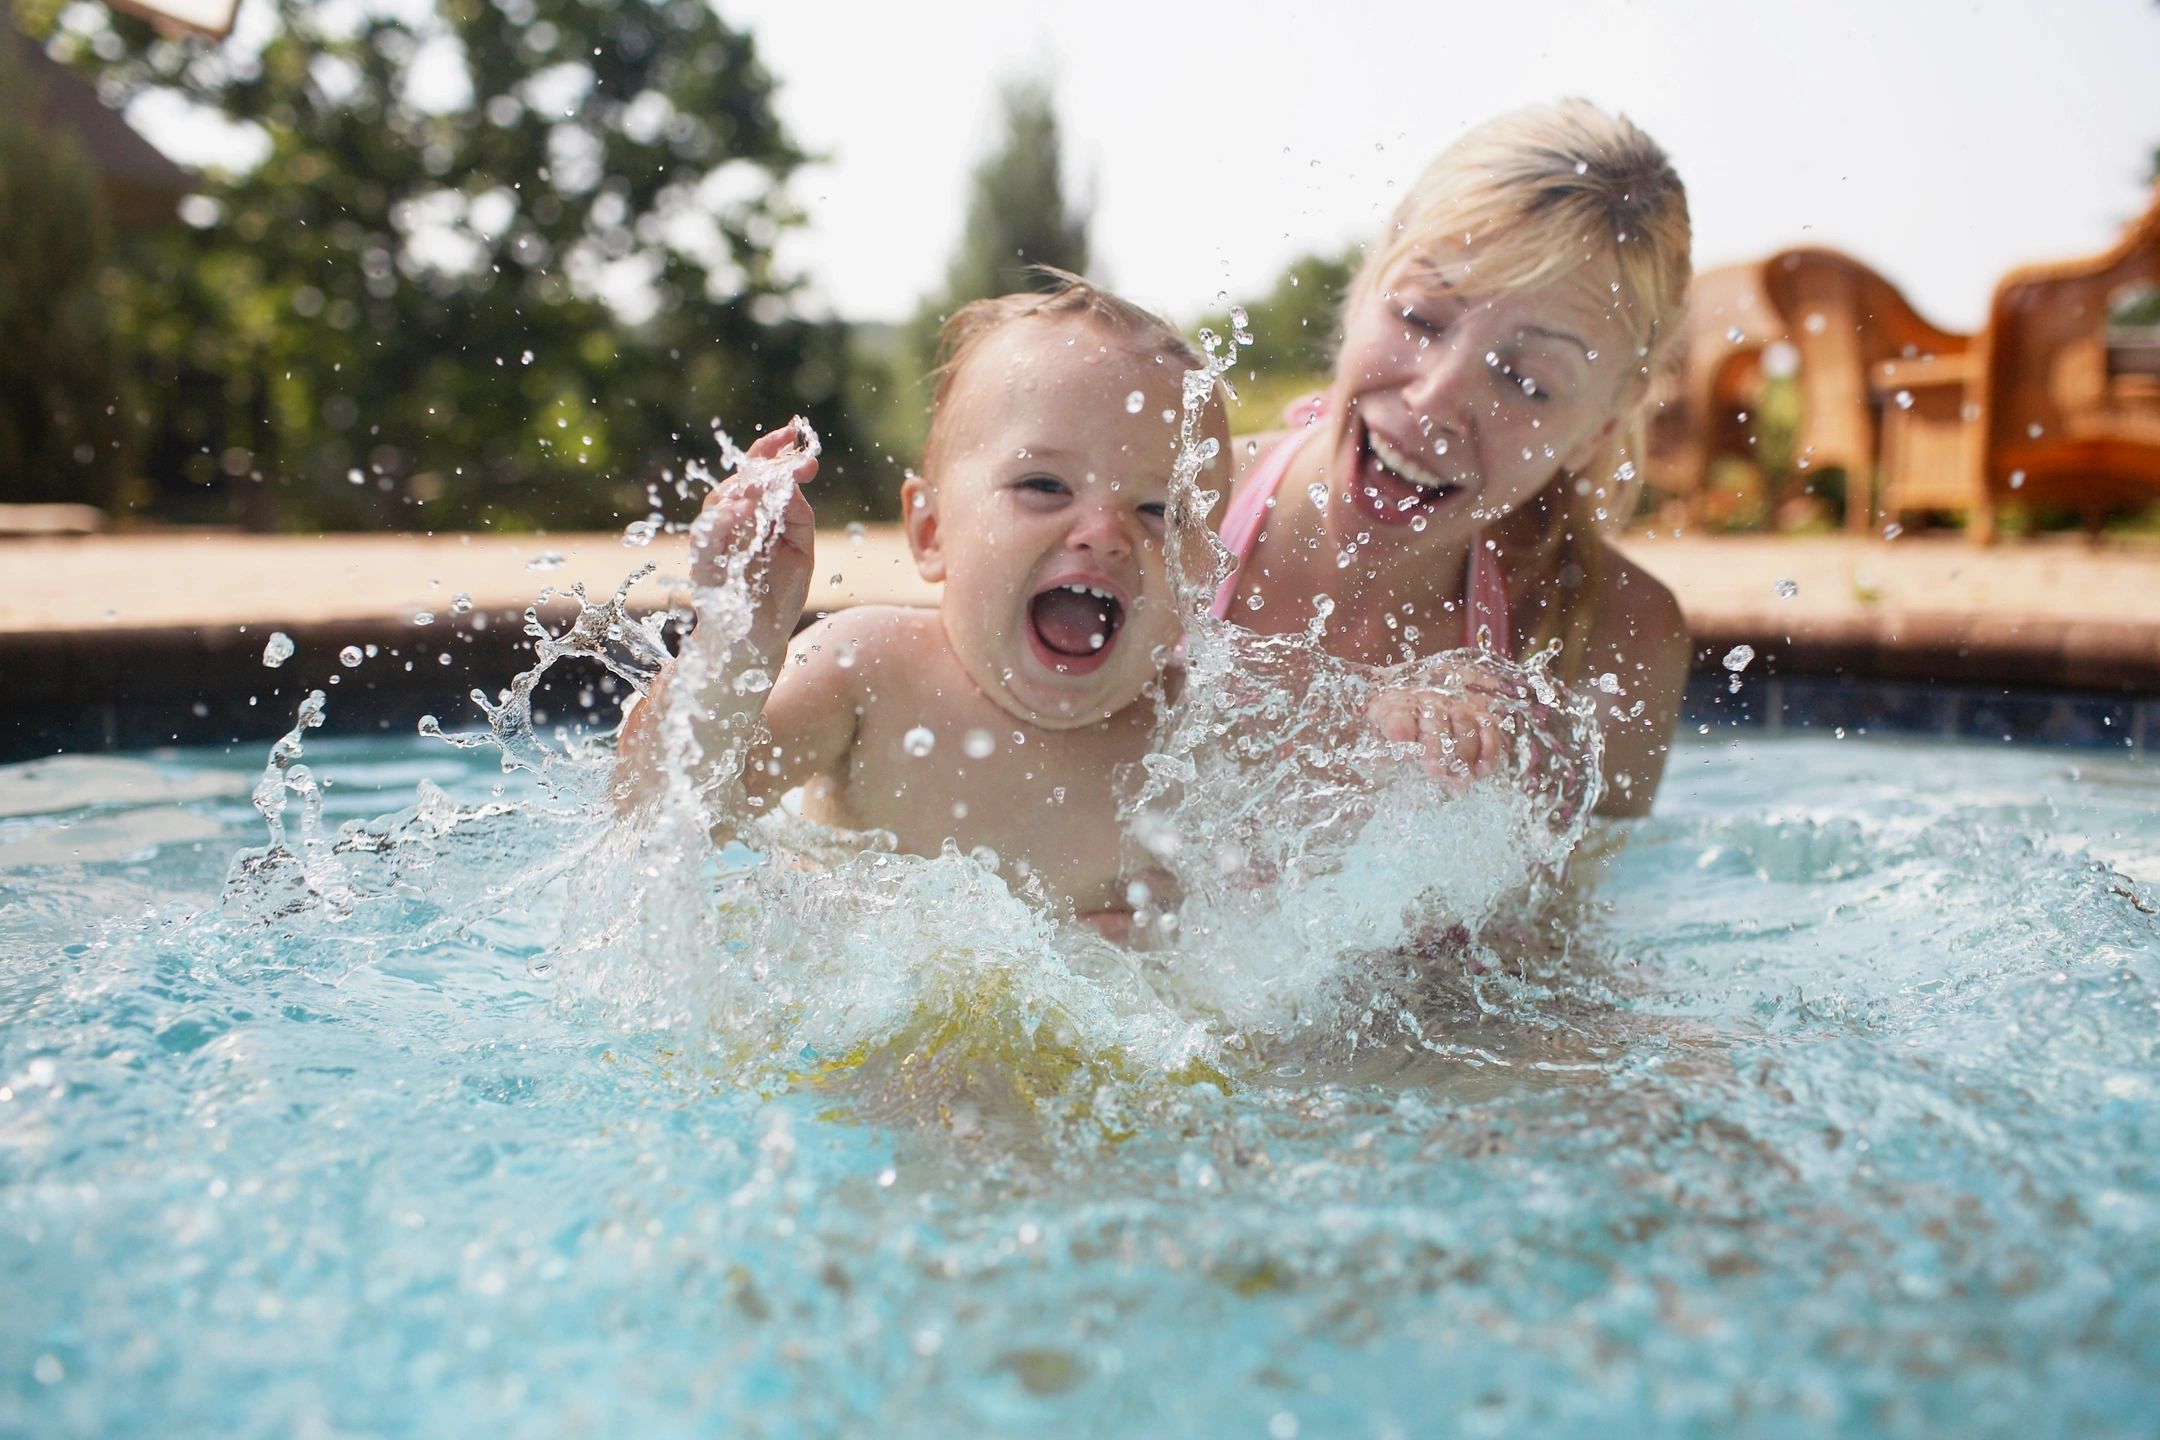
{"points": [[1487, 608]]}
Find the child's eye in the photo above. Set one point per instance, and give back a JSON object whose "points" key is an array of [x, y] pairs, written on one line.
{"points": [[1155, 511], [1041, 485]]}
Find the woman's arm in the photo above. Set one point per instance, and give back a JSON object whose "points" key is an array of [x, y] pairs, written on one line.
{"points": [[1640, 639]]}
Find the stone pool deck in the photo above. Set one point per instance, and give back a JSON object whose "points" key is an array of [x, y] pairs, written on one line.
{"points": [[157, 638]]}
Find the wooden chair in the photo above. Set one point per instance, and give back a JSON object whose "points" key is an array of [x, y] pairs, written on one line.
{"points": [[1848, 322], [1838, 320], [2068, 406], [1714, 378]]}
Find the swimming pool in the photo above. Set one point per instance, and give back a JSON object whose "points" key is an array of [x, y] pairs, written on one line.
{"points": [[1837, 1111]]}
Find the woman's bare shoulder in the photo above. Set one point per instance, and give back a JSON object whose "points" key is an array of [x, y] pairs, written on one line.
{"points": [[1633, 605], [1247, 449]]}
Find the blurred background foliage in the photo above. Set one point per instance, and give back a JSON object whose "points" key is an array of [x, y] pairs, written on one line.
{"points": [[485, 263], [500, 267], [1018, 216]]}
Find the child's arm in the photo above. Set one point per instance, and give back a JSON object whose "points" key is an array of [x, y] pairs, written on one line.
{"points": [[813, 711], [778, 575]]}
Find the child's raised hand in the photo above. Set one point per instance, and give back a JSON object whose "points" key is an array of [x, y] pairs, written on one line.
{"points": [[779, 562]]}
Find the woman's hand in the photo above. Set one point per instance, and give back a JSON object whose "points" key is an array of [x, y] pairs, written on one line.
{"points": [[778, 571], [1460, 740]]}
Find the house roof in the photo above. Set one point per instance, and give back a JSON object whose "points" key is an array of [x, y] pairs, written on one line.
{"points": [[139, 184]]}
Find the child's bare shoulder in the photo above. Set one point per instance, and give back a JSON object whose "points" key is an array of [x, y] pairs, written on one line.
{"points": [[865, 648], [875, 630]]}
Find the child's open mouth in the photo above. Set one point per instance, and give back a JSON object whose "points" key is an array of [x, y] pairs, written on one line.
{"points": [[1073, 626], [1391, 486]]}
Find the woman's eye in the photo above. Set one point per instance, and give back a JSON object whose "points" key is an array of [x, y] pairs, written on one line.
{"points": [[1525, 383], [1431, 324]]}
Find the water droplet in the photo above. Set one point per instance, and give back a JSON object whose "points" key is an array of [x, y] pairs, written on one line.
{"points": [[547, 560], [350, 656], [1609, 683], [1786, 589], [1892, 530], [1134, 402], [919, 741], [2017, 479], [978, 744], [355, 477], [1317, 493], [1735, 335], [1169, 417], [753, 682], [526, 358], [1739, 657], [278, 650], [425, 617], [856, 530], [460, 603], [1904, 399]]}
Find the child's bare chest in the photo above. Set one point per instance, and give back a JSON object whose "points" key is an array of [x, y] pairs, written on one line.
{"points": [[1044, 801]]}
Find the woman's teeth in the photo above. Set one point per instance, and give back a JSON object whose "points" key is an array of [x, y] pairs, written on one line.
{"points": [[1404, 466]]}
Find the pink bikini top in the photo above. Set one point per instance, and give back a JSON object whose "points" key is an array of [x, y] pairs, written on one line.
{"points": [[1487, 600]]}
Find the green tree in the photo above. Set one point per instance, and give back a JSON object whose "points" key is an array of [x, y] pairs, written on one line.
{"points": [[62, 430], [502, 262], [1018, 216], [1296, 328]]}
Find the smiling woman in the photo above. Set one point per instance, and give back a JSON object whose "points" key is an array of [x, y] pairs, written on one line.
{"points": [[1455, 484]]}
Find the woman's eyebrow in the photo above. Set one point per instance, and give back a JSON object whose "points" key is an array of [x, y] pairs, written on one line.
{"points": [[1564, 336]]}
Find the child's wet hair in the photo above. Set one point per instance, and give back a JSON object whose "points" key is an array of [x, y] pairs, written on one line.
{"points": [[1065, 296]]}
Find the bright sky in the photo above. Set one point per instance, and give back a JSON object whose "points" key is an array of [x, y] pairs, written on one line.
{"points": [[1940, 140]]}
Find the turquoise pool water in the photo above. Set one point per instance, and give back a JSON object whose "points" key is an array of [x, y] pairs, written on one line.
{"points": [[1833, 1109]]}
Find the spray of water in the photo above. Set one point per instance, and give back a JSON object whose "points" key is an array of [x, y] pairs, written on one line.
{"points": [[761, 951], [1270, 805]]}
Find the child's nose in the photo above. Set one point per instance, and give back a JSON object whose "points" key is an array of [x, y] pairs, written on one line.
{"points": [[1102, 533]]}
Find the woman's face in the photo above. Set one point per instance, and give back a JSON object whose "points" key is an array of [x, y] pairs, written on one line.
{"points": [[1454, 408]]}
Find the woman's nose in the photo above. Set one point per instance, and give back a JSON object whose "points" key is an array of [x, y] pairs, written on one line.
{"points": [[1440, 381]]}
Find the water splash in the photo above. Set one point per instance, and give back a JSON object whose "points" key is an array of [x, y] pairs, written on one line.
{"points": [[632, 648], [1270, 803]]}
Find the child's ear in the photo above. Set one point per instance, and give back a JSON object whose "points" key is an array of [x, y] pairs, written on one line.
{"points": [[918, 512]]}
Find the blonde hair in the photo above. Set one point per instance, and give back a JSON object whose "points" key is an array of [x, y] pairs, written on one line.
{"points": [[1539, 193], [1065, 297]]}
